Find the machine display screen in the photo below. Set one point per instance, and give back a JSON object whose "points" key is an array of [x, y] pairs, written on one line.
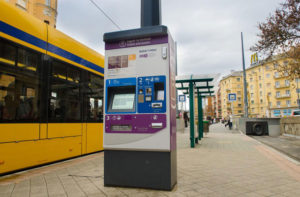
{"points": [[123, 102], [121, 99]]}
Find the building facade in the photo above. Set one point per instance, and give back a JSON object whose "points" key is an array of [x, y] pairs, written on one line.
{"points": [[270, 93], [218, 109], [45, 10], [208, 111], [232, 83]]}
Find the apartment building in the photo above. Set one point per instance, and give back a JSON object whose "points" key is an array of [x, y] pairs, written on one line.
{"points": [[270, 93], [218, 103], [45, 10], [232, 83]]}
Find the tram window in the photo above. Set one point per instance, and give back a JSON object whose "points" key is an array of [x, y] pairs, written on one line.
{"points": [[64, 104], [59, 70], [19, 95], [27, 60], [7, 53], [94, 95]]}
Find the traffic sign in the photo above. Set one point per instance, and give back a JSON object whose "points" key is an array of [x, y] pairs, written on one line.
{"points": [[231, 97], [181, 98]]}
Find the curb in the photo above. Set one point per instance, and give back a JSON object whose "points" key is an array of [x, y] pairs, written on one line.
{"points": [[274, 149]]}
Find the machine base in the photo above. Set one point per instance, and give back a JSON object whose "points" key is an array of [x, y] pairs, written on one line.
{"points": [[142, 169]]}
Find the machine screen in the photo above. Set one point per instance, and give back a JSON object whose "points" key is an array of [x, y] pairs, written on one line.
{"points": [[123, 102], [121, 99]]}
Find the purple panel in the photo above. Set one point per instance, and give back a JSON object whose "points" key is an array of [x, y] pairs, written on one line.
{"points": [[139, 123], [136, 42], [172, 89]]}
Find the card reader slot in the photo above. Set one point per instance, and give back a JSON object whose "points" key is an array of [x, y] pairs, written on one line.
{"points": [[156, 105]]}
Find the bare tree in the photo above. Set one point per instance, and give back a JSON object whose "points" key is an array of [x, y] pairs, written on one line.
{"points": [[279, 38]]}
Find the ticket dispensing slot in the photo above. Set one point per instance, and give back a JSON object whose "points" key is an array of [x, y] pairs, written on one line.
{"points": [[157, 125], [121, 127]]}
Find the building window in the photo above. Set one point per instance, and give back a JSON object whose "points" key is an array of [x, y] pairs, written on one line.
{"points": [[268, 75], [251, 87], [269, 94], [277, 94], [275, 66], [267, 67], [252, 101], [288, 103], [261, 109], [240, 105], [260, 85], [277, 84], [22, 4], [239, 98], [278, 103], [287, 83], [287, 92], [261, 101], [270, 104], [260, 93], [259, 77], [298, 90], [252, 110], [239, 92], [48, 2], [268, 85], [251, 95], [238, 79], [276, 74], [251, 79], [240, 111]]}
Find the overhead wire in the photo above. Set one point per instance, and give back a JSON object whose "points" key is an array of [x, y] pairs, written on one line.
{"points": [[106, 15]]}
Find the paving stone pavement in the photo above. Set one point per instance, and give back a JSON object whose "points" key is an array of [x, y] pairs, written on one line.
{"points": [[224, 163]]}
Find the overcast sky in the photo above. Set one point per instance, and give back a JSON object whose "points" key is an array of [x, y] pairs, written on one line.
{"points": [[207, 31]]}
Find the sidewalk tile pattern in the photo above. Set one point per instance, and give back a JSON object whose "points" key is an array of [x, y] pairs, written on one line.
{"points": [[224, 163]]}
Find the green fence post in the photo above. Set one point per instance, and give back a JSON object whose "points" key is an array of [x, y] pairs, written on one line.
{"points": [[191, 95], [200, 117], [199, 124]]}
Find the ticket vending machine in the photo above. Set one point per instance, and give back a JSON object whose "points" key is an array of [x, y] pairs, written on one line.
{"points": [[140, 109]]}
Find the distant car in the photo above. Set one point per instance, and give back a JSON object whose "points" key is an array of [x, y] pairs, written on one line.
{"points": [[296, 112]]}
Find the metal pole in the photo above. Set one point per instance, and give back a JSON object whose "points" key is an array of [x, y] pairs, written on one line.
{"points": [[200, 116], [191, 95], [245, 82], [150, 13]]}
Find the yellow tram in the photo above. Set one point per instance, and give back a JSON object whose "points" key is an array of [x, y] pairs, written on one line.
{"points": [[51, 93]]}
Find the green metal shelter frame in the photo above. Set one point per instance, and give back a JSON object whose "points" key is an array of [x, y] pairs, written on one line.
{"points": [[192, 85]]}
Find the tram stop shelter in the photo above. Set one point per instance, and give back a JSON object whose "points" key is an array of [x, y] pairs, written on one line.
{"points": [[201, 86]]}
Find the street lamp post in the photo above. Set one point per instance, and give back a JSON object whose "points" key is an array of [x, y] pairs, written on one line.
{"points": [[244, 76]]}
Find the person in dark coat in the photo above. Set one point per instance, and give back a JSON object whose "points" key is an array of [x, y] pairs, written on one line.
{"points": [[186, 118]]}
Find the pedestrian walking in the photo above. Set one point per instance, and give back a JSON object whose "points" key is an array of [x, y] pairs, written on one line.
{"points": [[186, 118], [230, 122]]}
